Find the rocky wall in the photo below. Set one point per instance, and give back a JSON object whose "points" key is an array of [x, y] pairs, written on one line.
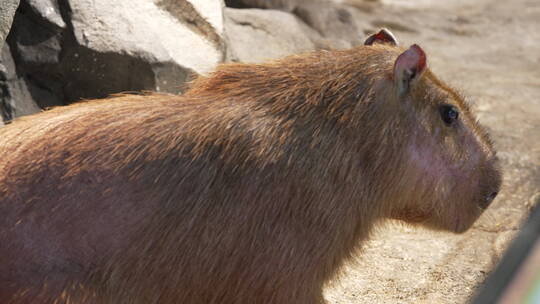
{"points": [[63, 51]]}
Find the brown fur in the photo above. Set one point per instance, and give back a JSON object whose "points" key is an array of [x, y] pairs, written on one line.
{"points": [[253, 187]]}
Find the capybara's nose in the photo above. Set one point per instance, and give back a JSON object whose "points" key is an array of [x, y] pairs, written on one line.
{"points": [[492, 196], [488, 199]]}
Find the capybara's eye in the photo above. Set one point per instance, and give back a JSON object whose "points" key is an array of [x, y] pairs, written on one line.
{"points": [[449, 114]]}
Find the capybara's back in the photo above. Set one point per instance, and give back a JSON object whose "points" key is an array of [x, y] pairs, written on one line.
{"points": [[253, 187]]}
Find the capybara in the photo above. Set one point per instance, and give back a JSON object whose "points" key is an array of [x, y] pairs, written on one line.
{"points": [[252, 187]]}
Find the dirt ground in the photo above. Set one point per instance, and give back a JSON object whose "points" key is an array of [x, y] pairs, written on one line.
{"points": [[490, 49]]}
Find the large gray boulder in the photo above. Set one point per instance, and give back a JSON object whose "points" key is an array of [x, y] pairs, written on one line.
{"points": [[9, 85], [333, 21], [7, 10], [15, 97], [69, 50], [157, 31], [256, 35]]}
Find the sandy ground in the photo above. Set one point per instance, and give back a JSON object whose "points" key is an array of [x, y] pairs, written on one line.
{"points": [[490, 49]]}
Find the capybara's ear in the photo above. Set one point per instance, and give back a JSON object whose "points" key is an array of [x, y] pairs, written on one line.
{"points": [[408, 67], [383, 36]]}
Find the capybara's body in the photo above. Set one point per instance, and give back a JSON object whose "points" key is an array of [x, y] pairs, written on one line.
{"points": [[253, 187]]}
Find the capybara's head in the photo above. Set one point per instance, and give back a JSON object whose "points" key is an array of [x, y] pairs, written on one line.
{"points": [[449, 172], [378, 125]]}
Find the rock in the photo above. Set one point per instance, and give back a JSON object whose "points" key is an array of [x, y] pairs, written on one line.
{"points": [[140, 45], [48, 10], [69, 50], [155, 32], [36, 41], [285, 5], [77, 49], [7, 11], [333, 21], [15, 97], [256, 35]]}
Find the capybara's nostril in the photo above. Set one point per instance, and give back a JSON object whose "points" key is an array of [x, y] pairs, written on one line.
{"points": [[488, 199], [492, 196]]}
